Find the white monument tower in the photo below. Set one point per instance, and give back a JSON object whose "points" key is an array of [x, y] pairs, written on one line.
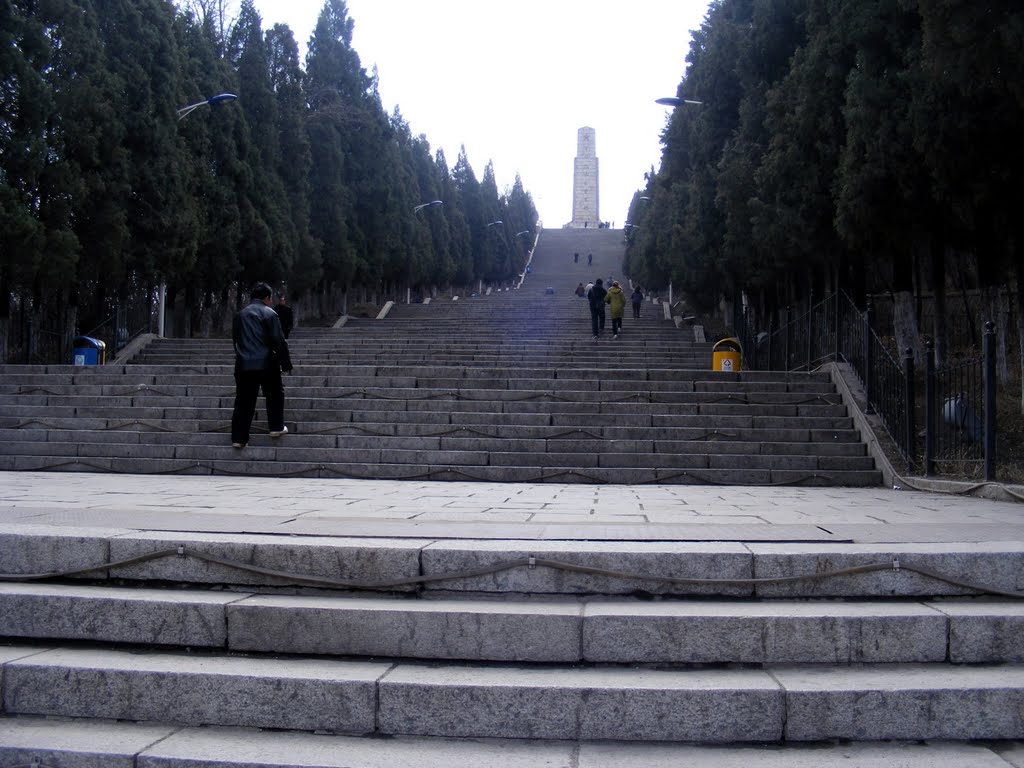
{"points": [[584, 182]]}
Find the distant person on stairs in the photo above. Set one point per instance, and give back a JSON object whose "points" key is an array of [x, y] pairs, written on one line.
{"points": [[616, 301], [261, 353], [637, 298], [581, 291], [590, 259], [596, 296], [285, 313]]}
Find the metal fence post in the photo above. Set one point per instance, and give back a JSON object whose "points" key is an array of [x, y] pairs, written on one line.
{"points": [[869, 384], [29, 340], [810, 329], [990, 400], [839, 327], [789, 321], [910, 437], [929, 410], [771, 332]]}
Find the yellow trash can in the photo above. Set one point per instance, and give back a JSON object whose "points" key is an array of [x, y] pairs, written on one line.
{"points": [[725, 355]]}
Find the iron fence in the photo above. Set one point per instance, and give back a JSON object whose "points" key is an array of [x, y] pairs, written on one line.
{"points": [[958, 401], [45, 334]]}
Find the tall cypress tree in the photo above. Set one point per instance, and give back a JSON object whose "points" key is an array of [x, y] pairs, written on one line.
{"points": [[141, 51], [270, 237], [294, 160], [26, 107], [334, 83]]}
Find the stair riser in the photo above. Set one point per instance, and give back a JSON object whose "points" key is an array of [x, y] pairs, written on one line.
{"points": [[993, 566], [467, 630], [793, 703]]}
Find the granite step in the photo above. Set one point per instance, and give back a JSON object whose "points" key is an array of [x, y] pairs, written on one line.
{"points": [[72, 743], [826, 566], [582, 631], [793, 703]]}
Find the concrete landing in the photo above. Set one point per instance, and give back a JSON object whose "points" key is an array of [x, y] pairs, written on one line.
{"points": [[548, 512]]}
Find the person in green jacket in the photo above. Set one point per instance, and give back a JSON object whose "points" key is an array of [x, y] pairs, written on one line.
{"points": [[616, 300]]}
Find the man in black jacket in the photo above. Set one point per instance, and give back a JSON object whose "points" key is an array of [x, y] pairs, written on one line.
{"points": [[261, 353]]}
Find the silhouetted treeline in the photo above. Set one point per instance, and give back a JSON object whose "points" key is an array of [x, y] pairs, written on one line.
{"points": [[303, 180], [873, 146]]}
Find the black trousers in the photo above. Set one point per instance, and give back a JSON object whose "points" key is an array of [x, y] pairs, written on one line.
{"points": [[597, 318], [247, 389]]}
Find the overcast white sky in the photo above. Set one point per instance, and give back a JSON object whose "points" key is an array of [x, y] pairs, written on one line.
{"points": [[514, 81]]}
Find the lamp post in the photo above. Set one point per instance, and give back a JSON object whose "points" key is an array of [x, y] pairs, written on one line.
{"points": [[220, 97], [673, 101], [421, 206]]}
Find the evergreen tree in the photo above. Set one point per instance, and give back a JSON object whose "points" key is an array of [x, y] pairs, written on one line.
{"points": [[141, 51], [294, 159], [269, 234], [26, 109], [334, 82]]}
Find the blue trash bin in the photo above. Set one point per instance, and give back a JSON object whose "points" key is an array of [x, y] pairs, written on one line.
{"points": [[86, 350]]}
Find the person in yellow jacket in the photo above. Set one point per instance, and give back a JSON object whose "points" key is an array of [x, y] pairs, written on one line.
{"points": [[616, 301]]}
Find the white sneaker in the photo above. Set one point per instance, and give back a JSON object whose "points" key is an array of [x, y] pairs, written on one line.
{"points": [[278, 434], [238, 445], [615, 336]]}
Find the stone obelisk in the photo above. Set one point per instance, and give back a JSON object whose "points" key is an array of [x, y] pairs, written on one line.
{"points": [[584, 181]]}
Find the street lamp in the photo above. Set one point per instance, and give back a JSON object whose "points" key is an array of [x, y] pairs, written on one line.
{"points": [[182, 114], [186, 111], [672, 101], [421, 206]]}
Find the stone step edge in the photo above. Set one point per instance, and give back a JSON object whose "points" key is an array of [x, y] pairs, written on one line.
{"points": [[539, 473], [472, 629], [84, 743], [484, 567], [773, 704]]}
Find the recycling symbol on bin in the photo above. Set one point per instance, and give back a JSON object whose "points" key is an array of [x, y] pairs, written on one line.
{"points": [[726, 363]]}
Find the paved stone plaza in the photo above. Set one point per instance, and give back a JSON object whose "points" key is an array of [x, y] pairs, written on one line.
{"points": [[382, 508]]}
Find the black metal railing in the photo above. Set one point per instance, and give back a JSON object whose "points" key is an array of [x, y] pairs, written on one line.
{"points": [[960, 413], [958, 401]]}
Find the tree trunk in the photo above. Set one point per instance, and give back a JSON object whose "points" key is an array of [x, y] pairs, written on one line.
{"points": [[1020, 325], [904, 316], [1002, 335]]}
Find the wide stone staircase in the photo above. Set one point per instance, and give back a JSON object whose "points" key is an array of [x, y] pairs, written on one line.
{"points": [[506, 387], [182, 649], [179, 649]]}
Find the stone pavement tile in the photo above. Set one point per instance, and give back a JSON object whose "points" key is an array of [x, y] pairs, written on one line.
{"points": [[470, 515], [27, 741], [910, 755], [214, 747], [604, 518]]}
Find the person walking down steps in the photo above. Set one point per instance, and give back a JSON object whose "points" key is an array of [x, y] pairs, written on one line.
{"points": [[616, 301], [261, 353], [596, 297]]}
